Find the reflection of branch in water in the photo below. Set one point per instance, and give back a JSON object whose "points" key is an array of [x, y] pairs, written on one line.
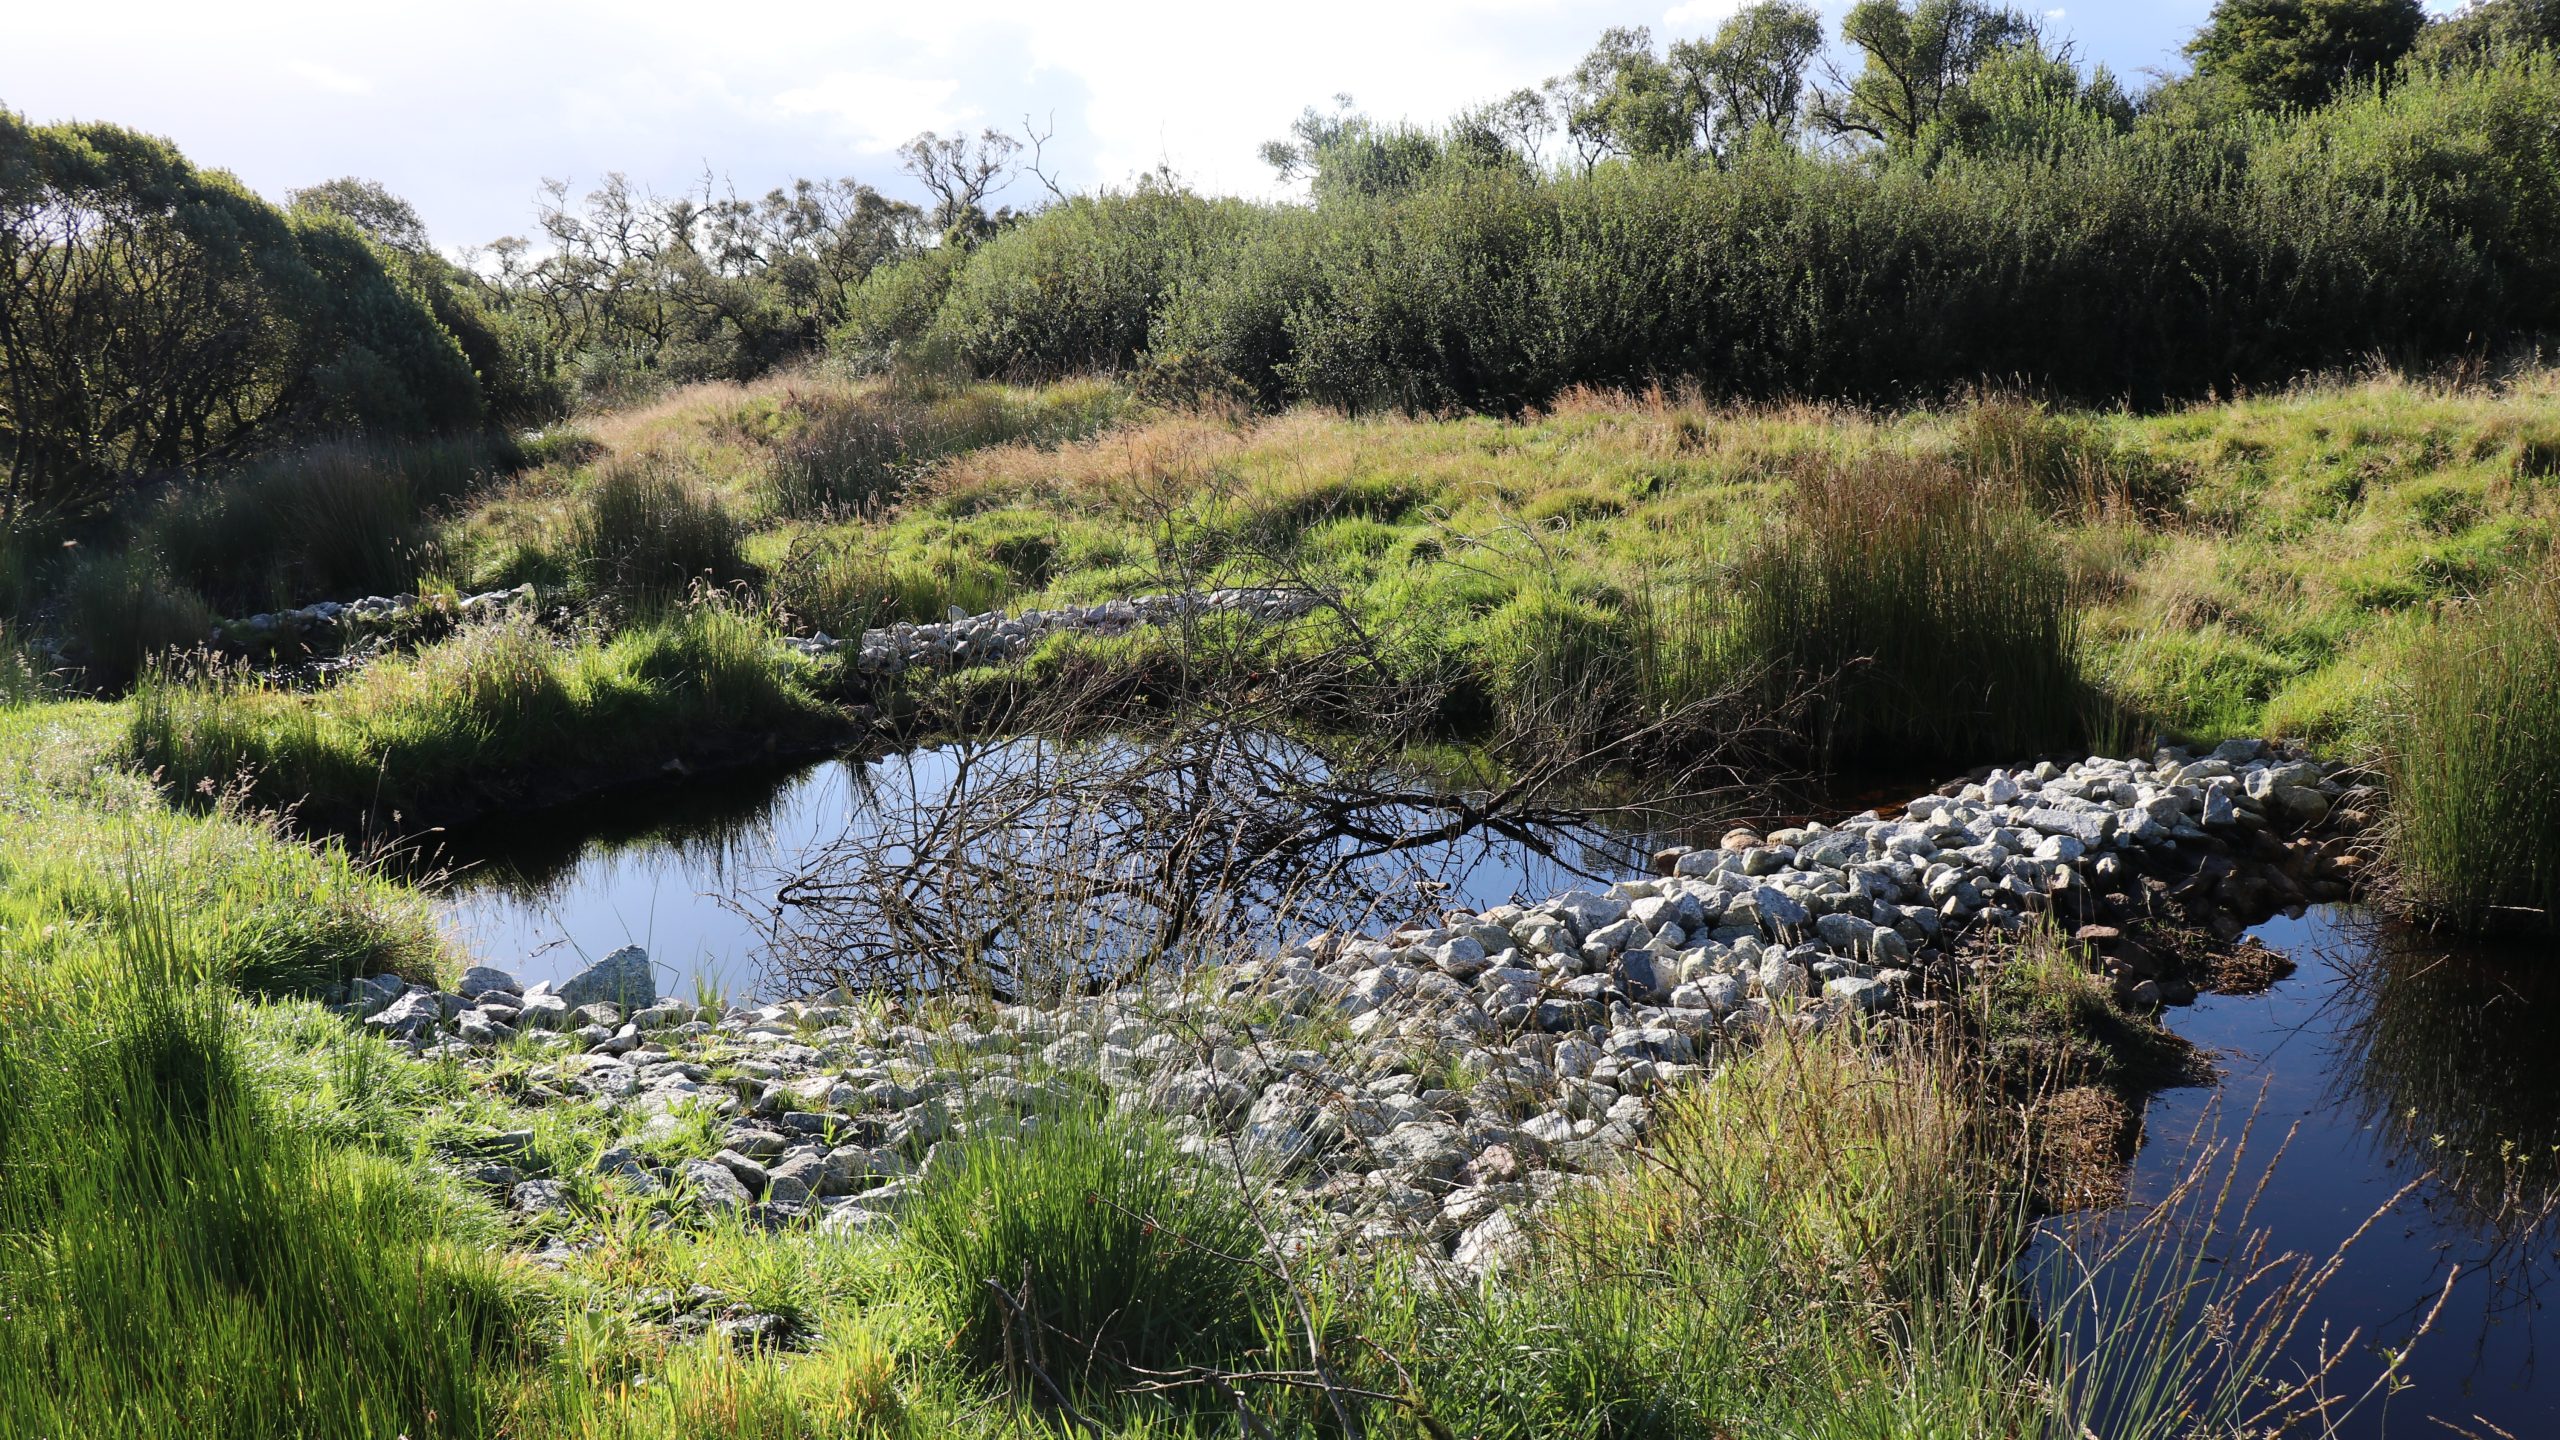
{"points": [[1029, 863]]}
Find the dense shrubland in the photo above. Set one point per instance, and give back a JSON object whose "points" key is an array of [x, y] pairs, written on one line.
{"points": [[2019, 221]]}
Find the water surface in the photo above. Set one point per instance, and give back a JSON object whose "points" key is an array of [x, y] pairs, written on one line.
{"points": [[689, 871], [2382, 1061]]}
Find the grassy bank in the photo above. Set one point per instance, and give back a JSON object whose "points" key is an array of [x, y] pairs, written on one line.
{"points": [[266, 914], [2248, 567], [494, 715], [1990, 575]]}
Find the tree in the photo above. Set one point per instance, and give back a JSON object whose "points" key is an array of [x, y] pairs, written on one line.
{"points": [[1749, 79], [2493, 27], [380, 363], [519, 378], [1917, 62], [2297, 53], [635, 289], [2030, 100], [1622, 99], [961, 174], [1346, 154], [1519, 123], [159, 319], [385, 218]]}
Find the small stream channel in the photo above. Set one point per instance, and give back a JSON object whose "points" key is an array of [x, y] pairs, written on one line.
{"points": [[2382, 1060]]}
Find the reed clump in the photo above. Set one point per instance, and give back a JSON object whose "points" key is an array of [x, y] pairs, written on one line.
{"points": [[645, 538], [120, 612], [847, 449], [1930, 615], [334, 520], [2471, 752]]}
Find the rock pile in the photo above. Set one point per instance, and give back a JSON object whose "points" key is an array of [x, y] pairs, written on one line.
{"points": [[332, 625], [967, 639], [963, 639], [1424, 1084]]}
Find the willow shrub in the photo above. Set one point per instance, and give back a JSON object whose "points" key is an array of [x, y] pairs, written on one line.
{"points": [[2472, 755], [1928, 615], [2164, 263]]}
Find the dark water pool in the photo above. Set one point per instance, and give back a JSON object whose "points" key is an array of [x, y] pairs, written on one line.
{"points": [[2385, 1060], [686, 871]]}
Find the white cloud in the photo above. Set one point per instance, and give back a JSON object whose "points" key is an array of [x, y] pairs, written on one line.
{"points": [[877, 111], [329, 78], [1699, 15]]}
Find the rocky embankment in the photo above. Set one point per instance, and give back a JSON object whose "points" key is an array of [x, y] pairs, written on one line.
{"points": [[967, 639], [1425, 1084], [332, 626]]}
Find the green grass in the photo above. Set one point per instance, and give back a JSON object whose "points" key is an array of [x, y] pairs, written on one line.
{"points": [[843, 586], [268, 915], [2227, 569], [2046, 1016], [177, 1258], [2472, 756], [1115, 1256], [499, 705], [2231, 568]]}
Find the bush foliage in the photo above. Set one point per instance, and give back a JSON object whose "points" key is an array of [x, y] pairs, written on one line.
{"points": [[2158, 259]]}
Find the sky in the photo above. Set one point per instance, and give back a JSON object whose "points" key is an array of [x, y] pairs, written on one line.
{"points": [[465, 107]]}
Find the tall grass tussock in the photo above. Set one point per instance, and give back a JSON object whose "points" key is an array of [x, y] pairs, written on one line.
{"points": [[1930, 613], [644, 538], [1085, 1251], [2472, 756], [334, 520]]}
